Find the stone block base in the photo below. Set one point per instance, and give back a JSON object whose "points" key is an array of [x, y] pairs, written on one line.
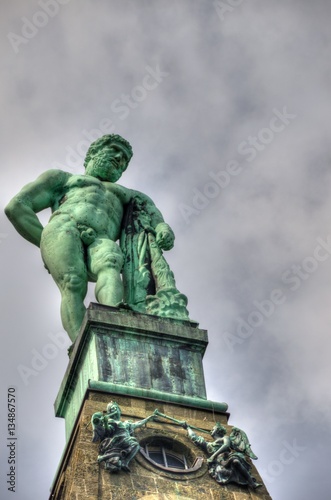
{"points": [[81, 477]]}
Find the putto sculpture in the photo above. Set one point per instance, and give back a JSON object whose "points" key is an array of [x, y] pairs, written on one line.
{"points": [[227, 455], [118, 446], [90, 215]]}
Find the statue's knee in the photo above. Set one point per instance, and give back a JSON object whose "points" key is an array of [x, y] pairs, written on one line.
{"points": [[111, 261], [73, 283]]}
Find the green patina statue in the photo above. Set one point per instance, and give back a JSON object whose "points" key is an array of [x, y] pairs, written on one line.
{"points": [[118, 446], [228, 455], [90, 213]]}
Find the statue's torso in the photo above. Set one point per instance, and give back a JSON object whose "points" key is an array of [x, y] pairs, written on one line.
{"points": [[94, 203]]}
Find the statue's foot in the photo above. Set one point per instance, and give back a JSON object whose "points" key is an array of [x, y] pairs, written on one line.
{"points": [[257, 485], [124, 305]]}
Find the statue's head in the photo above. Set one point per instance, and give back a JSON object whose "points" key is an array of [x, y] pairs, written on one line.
{"points": [[218, 430], [113, 410], [108, 157]]}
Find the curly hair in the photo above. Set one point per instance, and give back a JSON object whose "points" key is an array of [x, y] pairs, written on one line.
{"points": [[107, 140], [113, 407], [220, 428]]}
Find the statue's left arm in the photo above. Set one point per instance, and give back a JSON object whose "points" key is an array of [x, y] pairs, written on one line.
{"points": [[164, 234], [140, 423]]}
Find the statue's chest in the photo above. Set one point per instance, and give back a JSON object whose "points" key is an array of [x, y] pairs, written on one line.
{"points": [[84, 182]]}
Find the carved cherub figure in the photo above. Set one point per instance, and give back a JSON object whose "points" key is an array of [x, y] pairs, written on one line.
{"points": [[118, 446], [227, 461]]}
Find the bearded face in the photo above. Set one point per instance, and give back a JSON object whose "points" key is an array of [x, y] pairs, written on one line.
{"points": [[108, 164]]}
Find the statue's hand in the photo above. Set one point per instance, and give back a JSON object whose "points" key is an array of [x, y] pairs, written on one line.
{"points": [[164, 236]]}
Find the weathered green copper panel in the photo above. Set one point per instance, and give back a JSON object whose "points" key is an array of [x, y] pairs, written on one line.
{"points": [[82, 368], [133, 351], [150, 363], [203, 404]]}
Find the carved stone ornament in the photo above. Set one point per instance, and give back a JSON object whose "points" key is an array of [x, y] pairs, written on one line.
{"points": [[118, 445], [228, 456]]}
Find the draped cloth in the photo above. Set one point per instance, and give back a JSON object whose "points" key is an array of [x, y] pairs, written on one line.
{"points": [[149, 283]]}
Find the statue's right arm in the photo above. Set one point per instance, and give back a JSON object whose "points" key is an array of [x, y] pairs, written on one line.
{"points": [[34, 197], [225, 446], [197, 440]]}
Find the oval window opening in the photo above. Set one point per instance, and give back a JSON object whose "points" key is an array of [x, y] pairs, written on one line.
{"points": [[169, 455]]}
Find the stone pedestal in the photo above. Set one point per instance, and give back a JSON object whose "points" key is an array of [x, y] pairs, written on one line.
{"points": [[133, 354], [143, 363], [81, 477]]}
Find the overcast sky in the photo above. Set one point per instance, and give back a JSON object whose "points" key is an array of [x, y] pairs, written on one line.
{"points": [[228, 113]]}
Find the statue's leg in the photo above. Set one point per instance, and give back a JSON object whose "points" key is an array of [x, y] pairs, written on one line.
{"points": [[133, 452], [63, 255], [105, 261], [245, 473]]}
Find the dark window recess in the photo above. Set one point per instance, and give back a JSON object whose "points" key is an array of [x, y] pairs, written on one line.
{"points": [[162, 455]]}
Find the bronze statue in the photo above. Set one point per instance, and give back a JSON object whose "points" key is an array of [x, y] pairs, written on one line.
{"points": [[227, 462], [90, 213], [118, 446]]}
